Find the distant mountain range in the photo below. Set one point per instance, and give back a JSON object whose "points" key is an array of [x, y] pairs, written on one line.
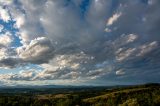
{"points": [[70, 86]]}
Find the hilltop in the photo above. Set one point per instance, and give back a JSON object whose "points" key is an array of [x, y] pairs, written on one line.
{"points": [[137, 95]]}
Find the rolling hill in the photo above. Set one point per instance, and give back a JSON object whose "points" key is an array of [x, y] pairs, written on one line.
{"points": [[140, 95]]}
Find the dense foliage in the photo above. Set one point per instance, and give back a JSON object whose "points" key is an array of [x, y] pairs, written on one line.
{"points": [[144, 95]]}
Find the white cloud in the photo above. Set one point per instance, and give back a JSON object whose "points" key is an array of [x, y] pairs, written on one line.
{"points": [[20, 20], [6, 39], [39, 50], [25, 75], [107, 30], [131, 38], [4, 15], [64, 66], [93, 74], [123, 55], [6, 2], [120, 72], [71, 75], [113, 19], [147, 48], [2, 53], [124, 40]]}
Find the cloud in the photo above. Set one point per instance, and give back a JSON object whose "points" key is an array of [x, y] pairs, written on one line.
{"points": [[124, 54], [114, 18], [120, 72], [144, 49], [39, 50], [2, 52], [69, 42], [6, 39], [4, 15], [10, 62], [20, 20], [7, 52], [94, 74], [124, 40], [6, 2], [26, 75], [1, 28], [63, 66]]}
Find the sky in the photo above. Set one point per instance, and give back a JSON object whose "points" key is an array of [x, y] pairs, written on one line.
{"points": [[79, 42]]}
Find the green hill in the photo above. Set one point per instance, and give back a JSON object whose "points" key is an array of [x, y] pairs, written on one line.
{"points": [[144, 95], [141, 95]]}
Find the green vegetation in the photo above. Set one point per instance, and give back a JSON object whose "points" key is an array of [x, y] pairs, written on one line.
{"points": [[142, 95], [146, 95]]}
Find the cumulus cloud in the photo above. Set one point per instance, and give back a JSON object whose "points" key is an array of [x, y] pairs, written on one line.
{"points": [[63, 66], [25, 75], [2, 52], [20, 19], [69, 42], [6, 39], [38, 51], [4, 15]]}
